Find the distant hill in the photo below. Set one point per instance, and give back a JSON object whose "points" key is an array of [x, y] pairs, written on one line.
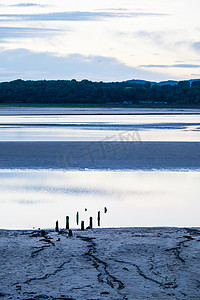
{"points": [[171, 82], [139, 81], [192, 80], [161, 83]]}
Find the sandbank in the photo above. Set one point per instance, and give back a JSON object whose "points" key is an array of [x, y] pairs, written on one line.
{"points": [[100, 155]]}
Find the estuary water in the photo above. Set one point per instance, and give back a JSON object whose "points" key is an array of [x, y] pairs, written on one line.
{"points": [[100, 127], [32, 198]]}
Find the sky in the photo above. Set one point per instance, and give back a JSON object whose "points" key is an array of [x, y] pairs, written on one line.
{"points": [[112, 40]]}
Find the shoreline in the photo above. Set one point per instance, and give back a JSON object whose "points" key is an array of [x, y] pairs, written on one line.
{"points": [[62, 230]]}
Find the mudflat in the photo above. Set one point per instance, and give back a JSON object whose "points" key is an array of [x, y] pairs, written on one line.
{"points": [[120, 263]]}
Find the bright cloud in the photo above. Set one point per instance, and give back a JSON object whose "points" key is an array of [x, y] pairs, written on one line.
{"points": [[144, 39], [25, 64]]}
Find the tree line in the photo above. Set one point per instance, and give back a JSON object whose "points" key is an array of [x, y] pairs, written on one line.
{"points": [[72, 92]]}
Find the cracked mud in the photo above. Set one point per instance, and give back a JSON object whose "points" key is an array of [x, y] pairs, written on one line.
{"points": [[131, 263], [104, 275]]}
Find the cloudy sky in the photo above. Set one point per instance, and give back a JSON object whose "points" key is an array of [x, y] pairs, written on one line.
{"points": [[100, 40]]}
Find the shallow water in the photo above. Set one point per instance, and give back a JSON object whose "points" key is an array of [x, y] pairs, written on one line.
{"points": [[33, 198], [99, 127]]}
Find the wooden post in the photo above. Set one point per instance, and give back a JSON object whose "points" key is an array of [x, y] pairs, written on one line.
{"points": [[67, 222], [82, 225], [105, 210], [91, 225], [98, 218], [70, 233], [77, 218], [57, 229], [43, 233]]}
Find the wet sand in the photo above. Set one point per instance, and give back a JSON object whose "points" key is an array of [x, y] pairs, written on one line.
{"points": [[100, 155]]}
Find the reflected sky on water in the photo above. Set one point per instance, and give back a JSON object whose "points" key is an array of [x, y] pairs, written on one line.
{"points": [[99, 127], [33, 198]]}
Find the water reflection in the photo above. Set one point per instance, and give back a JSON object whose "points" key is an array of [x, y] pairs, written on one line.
{"points": [[95, 128], [99, 119], [135, 198]]}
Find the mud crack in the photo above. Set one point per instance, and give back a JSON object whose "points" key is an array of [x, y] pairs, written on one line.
{"points": [[47, 275], [35, 253], [193, 231], [141, 273], [104, 275], [177, 250], [45, 239]]}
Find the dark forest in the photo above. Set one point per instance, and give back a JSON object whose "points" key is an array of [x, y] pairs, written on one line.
{"points": [[72, 92]]}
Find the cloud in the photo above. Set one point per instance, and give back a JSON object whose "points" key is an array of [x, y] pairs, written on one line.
{"points": [[172, 66], [115, 9], [185, 66], [24, 32], [26, 65], [196, 46], [157, 37], [75, 16], [26, 4]]}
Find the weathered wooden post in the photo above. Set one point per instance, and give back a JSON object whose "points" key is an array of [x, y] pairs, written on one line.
{"points": [[67, 222], [57, 228], [82, 225], [98, 218], [91, 225], [77, 218], [43, 233]]}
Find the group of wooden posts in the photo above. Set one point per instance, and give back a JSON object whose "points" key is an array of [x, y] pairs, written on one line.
{"points": [[82, 222]]}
